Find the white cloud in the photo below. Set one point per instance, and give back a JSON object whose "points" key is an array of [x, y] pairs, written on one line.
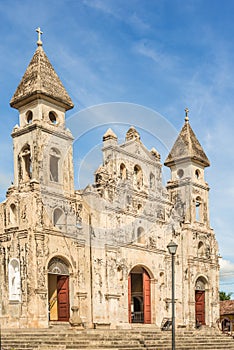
{"points": [[121, 12], [138, 23], [226, 270], [151, 50], [101, 6]]}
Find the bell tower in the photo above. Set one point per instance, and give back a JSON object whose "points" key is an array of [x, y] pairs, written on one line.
{"points": [[42, 144], [187, 187]]}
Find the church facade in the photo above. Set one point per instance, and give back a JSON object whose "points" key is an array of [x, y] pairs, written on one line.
{"points": [[101, 252]]}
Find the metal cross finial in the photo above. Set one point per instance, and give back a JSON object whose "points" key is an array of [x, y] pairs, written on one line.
{"points": [[186, 114], [39, 42]]}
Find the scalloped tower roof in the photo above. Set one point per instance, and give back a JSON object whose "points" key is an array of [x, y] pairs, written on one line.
{"points": [[187, 146], [40, 79]]}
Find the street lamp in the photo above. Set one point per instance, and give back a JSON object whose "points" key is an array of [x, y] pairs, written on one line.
{"points": [[172, 247]]}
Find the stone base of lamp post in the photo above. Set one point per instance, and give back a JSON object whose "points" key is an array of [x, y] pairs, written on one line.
{"points": [[75, 320]]}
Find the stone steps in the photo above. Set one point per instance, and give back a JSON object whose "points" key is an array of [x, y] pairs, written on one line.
{"points": [[135, 339]]}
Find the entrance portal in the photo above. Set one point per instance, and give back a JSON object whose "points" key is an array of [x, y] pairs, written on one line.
{"points": [[139, 298], [58, 290], [200, 302]]}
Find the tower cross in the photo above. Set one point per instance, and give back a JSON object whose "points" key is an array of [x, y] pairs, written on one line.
{"points": [[39, 42], [186, 114]]}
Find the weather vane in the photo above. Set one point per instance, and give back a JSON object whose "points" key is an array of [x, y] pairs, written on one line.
{"points": [[39, 42]]}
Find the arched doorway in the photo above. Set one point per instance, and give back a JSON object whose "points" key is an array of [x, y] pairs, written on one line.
{"points": [[200, 300], [226, 325], [139, 298], [58, 290]]}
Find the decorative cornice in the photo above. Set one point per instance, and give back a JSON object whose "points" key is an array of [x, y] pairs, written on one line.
{"points": [[63, 134], [109, 296]]}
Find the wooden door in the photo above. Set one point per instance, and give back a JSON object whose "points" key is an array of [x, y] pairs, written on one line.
{"points": [[63, 298], [129, 299], [146, 297], [200, 306]]}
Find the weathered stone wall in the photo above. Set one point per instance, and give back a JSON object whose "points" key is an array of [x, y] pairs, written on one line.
{"points": [[99, 239]]}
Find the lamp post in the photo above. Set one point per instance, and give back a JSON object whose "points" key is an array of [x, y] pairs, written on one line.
{"points": [[172, 247]]}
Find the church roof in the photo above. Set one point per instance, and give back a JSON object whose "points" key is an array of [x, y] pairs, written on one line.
{"points": [[40, 79], [226, 307], [187, 146]]}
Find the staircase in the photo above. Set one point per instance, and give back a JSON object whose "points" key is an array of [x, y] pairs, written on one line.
{"points": [[134, 339]]}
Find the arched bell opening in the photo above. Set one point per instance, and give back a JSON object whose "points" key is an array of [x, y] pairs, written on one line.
{"points": [[58, 290], [25, 164]]}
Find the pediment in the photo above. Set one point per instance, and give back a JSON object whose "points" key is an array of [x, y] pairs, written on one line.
{"points": [[137, 148]]}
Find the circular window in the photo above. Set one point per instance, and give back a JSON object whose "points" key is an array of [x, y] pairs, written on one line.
{"points": [[197, 173], [53, 118], [180, 173], [29, 117]]}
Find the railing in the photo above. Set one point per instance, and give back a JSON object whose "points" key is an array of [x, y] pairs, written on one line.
{"points": [[166, 324], [138, 317]]}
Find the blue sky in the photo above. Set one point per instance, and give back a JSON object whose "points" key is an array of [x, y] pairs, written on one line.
{"points": [[162, 55]]}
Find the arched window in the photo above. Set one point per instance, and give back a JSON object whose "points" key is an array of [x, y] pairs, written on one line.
{"points": [[25, 164], [98, 178], [59, 219], [140, 235], [29, 117], [139, 206], [152, 181], [54, 164], [123, 172], [200, 249], [13, 214], [197, 173], [198, 209], [138, 177]]}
